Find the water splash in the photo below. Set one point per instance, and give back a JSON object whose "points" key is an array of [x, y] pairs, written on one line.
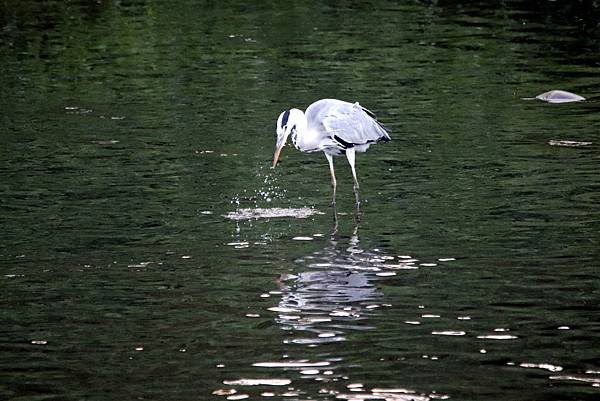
{"points": [[268, 213], [265, 194]]}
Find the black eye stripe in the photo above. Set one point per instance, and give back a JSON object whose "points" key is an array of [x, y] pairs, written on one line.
{"points": [[284, 120]]}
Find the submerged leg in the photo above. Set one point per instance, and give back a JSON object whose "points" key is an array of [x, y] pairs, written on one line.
{"points": [[350, 155], [333, 182], [335, 224]]}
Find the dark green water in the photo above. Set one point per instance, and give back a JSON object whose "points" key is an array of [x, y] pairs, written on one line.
{"points": [[129, 128]]}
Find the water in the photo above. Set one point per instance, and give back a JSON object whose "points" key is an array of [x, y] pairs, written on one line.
{"points": [[130, 130]]}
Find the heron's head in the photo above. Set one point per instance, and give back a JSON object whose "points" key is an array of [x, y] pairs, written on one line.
{"points": [[286, 124]]}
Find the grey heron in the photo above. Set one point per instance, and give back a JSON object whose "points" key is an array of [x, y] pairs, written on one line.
{"points": [[334, 127]]}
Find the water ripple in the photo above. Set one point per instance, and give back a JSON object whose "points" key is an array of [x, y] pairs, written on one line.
{"points": [[257, 382], [292, 364]]}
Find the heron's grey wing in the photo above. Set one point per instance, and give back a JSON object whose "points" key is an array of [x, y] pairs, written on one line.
{"points": [[352, 125]]}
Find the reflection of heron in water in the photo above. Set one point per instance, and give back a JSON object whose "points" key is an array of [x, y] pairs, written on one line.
{"points": [[333, 291]]}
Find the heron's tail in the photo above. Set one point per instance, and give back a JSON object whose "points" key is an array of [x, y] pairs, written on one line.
{"points": [[385, 137], [385, 133], [386, 129]]}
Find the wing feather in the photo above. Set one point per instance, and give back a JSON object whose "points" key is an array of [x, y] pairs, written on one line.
{"points": [[341, 125], [354, 124]]}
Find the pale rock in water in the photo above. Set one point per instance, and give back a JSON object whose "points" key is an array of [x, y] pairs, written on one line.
{"points": [[558, 96]]}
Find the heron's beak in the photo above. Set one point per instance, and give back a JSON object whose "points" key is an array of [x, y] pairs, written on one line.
{"points": [[276, 156]]}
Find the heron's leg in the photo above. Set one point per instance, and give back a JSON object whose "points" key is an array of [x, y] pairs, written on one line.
{"points": [[350, 155], [335, 224], [333, 182]]}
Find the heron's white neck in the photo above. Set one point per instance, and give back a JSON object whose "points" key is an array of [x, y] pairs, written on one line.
{"points": [[304, 139]]}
